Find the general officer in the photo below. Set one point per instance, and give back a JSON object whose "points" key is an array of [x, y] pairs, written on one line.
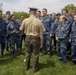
{"points": [[33, 28]]}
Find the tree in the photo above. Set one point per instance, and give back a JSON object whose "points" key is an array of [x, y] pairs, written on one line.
{"points": [[18, 14], [70, 8]]}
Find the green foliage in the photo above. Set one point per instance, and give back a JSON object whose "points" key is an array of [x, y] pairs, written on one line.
{"points": [[18, 14], [70, 8], [48, 65], [4, 16]]}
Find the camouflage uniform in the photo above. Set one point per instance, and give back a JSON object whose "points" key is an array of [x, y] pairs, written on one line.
{"points": [[47, 40], [2, 35], [69, 22], [54, 27], [73, 37], [7, 20], [21, 34], [14, 38], [62, 33]]}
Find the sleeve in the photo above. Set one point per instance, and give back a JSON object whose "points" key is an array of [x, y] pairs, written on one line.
{"points": [[70, 21], [57, 32], [71, 32], [70, 36], [51, 25], [42, 28], [22, 27], [54, 27], [8, 30], [65, 33], [5, 27], [19, 31]]}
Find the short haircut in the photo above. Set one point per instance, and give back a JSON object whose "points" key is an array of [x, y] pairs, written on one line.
{"points": [[45, 9], [12, 15], [64, 17], [33, 12], [65, 10], [39, 11]]}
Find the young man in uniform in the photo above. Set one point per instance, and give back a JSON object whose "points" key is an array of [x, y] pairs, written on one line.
{"points": [[2, 33]]}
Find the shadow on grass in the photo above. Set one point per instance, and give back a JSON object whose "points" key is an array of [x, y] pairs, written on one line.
{"points": [[6, 61], [47, 65]]}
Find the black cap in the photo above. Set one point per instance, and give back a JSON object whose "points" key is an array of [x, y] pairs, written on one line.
{"points": [[33, 9], [8, 12]]}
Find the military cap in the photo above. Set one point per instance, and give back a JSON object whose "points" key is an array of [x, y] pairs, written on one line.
{"points": [[8, 12], [33, 9]]}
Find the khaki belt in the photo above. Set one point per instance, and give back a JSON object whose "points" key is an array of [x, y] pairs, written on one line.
{"points": [[33, 37]]}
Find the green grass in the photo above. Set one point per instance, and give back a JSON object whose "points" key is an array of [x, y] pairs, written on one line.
{"points": [[48, 66]]}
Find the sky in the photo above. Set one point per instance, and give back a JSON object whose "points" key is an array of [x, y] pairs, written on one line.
{"points": [[22, 5]]}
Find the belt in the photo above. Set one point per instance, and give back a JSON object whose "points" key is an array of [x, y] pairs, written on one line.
{"points": [[33, 37]]}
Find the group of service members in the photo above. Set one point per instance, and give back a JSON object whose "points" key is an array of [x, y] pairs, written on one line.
{"points": [[39, 31]]}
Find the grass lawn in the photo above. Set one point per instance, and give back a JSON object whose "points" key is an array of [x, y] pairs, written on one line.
{"points": [[48, 66]]}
